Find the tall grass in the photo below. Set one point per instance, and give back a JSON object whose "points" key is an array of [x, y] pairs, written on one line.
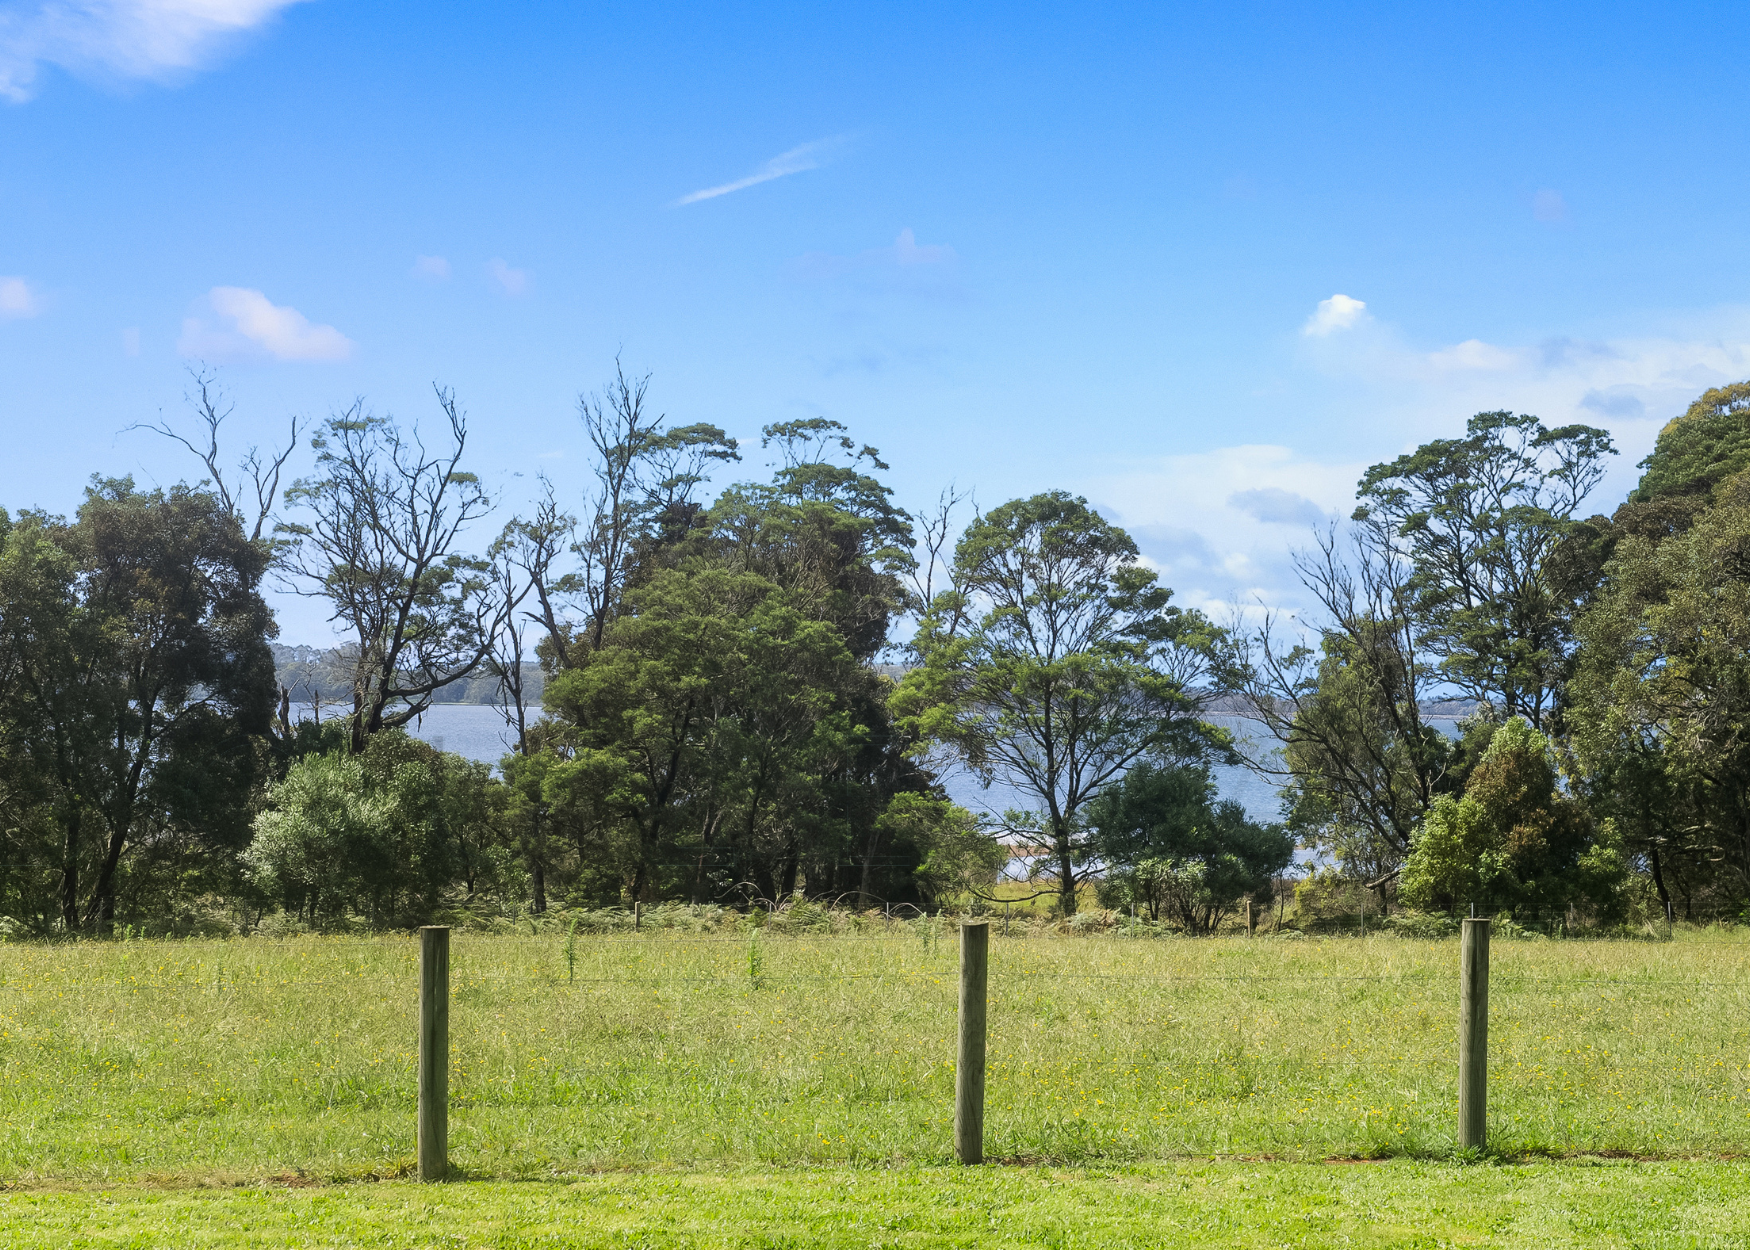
{"points": [[250, 1057]]}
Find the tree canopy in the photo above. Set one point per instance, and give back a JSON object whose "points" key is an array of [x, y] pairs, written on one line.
{"points": [[1054, 663]]}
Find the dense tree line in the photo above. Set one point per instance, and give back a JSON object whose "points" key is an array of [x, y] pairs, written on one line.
{"points": [[750, 690], [1605, 769]]}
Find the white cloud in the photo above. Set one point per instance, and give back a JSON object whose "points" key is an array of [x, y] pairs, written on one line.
{"points": [[1559, 379], [1220, 525], [1475, 355], [1276, 506], [1549, 205], [1337, 313], [252, 326], [795, 161], [17, 299], [1401, 394], [128, 39], [511, 281], [435, 268]]}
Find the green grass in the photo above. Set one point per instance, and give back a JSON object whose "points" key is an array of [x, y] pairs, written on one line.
{"points": [[246, 1059], [1549, 1205]]}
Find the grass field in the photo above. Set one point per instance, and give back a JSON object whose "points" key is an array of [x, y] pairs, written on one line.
{"points": [[824, 1064]]}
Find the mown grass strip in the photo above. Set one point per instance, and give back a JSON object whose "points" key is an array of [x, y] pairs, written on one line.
{"points": [[1553, 1206]]}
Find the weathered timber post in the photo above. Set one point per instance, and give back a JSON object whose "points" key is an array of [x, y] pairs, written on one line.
{"points": [[434, 1052], [1473, 1036], [969, 1065], [1248, 917]]}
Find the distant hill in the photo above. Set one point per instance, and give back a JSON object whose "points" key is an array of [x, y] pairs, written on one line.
{"points": [[312, 673], [1434, 709]]}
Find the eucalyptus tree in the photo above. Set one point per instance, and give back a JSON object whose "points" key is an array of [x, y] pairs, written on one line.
{"points": [[1661, 703], [1659, 696], [250, 490], [647, 479], [384, 544], [1342, 709], [1055, 663], [730, 732], [1478, 520]]}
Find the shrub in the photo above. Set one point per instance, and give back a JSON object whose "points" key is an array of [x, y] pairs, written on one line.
{"points": [[1514, 843]]}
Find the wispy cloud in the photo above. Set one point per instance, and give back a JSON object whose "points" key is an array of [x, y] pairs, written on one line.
{"points": [[1549, 205], [251, 326], [510, 281], [17, 299], [1337, 313], [796, 160], [905, 253], [432, 268], [129, 39]]}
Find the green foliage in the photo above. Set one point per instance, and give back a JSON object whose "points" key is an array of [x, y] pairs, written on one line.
{"points": [[1421, 924], [1170, 846], [719, 730], [1514, 842], [713, 689], [956, 856], [1662, 700], [727, 737], [1363, 765], [1697, 451], [382, 543], [135, 693]]}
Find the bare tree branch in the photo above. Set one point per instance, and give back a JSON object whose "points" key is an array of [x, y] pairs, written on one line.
{"points": [[262, 471], [384, 547]]}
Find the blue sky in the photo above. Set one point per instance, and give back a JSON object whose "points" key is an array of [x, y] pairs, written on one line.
{"points": [[1202, 263]]}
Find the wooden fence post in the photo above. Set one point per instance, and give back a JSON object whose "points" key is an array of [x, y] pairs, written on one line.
{"points": [[969, 1065], [1473, 1036], [1248, 917], [434, 1052]]}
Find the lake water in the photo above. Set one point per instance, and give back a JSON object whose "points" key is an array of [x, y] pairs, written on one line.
{"points": [[478, 732], [474, 730], [1260, 796]]}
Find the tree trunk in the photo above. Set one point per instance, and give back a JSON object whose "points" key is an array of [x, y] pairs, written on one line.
{"points": [[868, 867], [100, 913], [1659, 879], [70, 875], [1066, 873]]}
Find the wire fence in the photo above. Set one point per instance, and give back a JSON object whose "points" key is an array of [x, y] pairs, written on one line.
{"points": [[751, 1046]]}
